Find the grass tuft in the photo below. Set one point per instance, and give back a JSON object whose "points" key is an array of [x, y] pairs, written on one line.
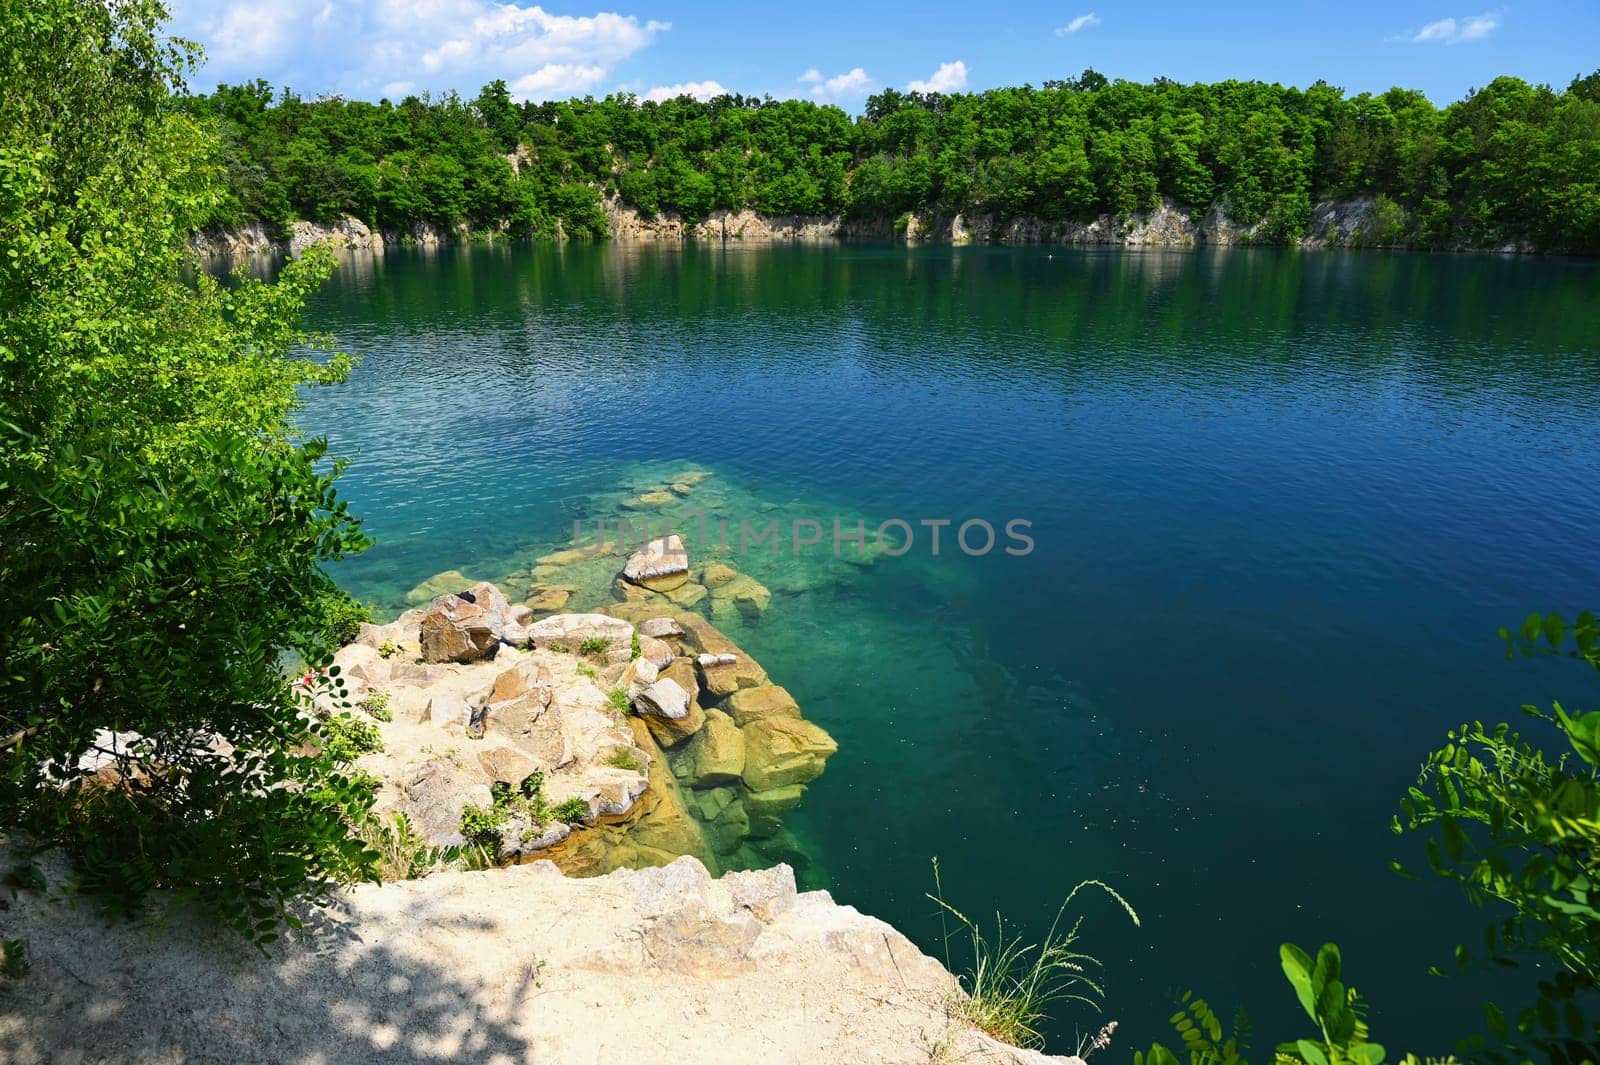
{"points": [[1011, 984]]}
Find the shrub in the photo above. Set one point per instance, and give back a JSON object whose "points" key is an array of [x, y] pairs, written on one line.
{"points": [[387, 649], [586, 670], [594, 645], [571, 810], [166, 520], [482, 827], [618, 699], [14, 963], [346, 737], [344, 617], [376, 704], [405, 855]]}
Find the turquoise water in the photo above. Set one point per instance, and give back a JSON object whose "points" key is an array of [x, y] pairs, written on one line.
{"points": [[1280, 505]]}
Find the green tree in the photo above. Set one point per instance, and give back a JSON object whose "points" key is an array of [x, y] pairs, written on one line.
{"points": [[162, 527]]}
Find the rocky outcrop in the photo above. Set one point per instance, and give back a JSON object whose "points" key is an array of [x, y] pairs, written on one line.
{"points": [[519, 965], [660, 565], [722, 226], [344, 235]]}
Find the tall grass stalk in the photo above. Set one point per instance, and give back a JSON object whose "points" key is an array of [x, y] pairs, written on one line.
{"points": [[1012, 984]]}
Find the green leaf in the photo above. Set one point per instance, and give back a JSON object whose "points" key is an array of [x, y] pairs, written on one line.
{"points": [[1311, 1053], [1297, 968]]}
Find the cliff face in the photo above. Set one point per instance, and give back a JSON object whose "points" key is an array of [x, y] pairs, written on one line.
{"points": [[517, 965], [1355, 223]]}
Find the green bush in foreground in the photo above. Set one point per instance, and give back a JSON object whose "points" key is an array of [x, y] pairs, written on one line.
{"points": [[162, 527]]}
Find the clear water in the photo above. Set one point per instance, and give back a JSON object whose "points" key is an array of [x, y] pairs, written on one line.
{"points": [[1281, 504]]}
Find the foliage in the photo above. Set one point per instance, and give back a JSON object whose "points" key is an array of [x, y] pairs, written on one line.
{"points": [[619, 700], [387, 649], [14, 964], [1512, 161], [624, 758], [166, 521], [586, 670], [1011, 985], [482, 825], [344, 618], [559, 648], [594, 645], [1337, 1011], [403, 854], [376, 704], [570, 810], [1516, 822], [345, 737]]}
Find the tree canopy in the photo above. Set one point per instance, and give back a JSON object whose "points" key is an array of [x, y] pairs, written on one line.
{"points": [[1511, 162]]}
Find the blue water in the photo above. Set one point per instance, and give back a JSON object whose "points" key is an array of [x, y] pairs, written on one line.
{"points": [[1280, 505]]}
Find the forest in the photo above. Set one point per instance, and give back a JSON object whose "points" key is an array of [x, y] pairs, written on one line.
{"points": [[1510, 163]]}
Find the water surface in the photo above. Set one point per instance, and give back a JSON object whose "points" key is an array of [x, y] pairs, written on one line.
{"points": [[1281, 503]]}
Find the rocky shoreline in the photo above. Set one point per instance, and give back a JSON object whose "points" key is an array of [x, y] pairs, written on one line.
{"points": [[625, 736], [1356, 223]]}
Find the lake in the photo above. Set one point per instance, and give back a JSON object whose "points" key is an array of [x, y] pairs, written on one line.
{"points": [[1279, 504]]}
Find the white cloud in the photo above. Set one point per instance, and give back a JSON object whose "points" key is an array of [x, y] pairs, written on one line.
{"points": [[554, 80], [1082, 22], [358, 47], [700, 90], [1455, 31], [950, 77], [851, 84]]}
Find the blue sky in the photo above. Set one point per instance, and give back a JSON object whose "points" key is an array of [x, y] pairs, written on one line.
{"points": [[842, 51]]}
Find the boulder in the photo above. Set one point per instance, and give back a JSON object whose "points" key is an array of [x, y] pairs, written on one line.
{"points": [[446, 583], [658, 497], [687, 595], [527, 675], [730, 828], [744, 595], [573, 555], [548, 598], [710, 803], [506, 764], [447, 710], [784, 750], [766, 808], [660, 565], [571, 630], [637, 676], [657, 652], [669, 712], [690, 477], [748, 705], [661, 628], [664, 698], [714, 756], [716, 574], [726, 677], [435, 794], [682, 671], [454, 630]]}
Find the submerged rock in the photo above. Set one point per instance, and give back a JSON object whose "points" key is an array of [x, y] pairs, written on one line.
{"points": [[713, 756], [660, 565], [748, 705], [782, 750]]}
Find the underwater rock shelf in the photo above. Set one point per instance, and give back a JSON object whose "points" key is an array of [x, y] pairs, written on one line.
{"points": [[623, 737]]}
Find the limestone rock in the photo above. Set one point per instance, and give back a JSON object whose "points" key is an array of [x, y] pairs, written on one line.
{"points": [[447, 583], [454, 630], [649, 500], [657, 652], [571, 630], [743, 595], [664, 698], [726, 677], [783, 750], [437, 792], [766, 808], [748, 705], [669, 712], [716, 574], [660, 565], [548, 598], [507, 765], [713, 756], [660, 628], [687, 595], [730, 829]]}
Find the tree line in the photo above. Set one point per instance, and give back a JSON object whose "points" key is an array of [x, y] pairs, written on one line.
{"points": [[1511, 162]]}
